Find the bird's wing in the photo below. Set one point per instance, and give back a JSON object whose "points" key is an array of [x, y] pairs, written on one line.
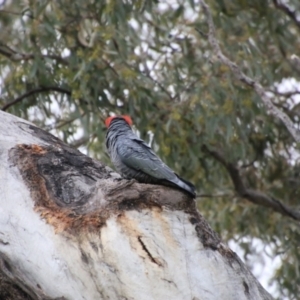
{"points": [[139, 156]]}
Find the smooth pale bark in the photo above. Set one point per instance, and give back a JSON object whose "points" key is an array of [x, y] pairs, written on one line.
{"points": [[71, 228]]}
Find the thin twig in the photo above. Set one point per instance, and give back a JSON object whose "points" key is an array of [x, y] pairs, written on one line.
{"points": [[215, 196], [61, 123], [276, 112], [82, 141], [17, 56], [35, 91], [285, 94]]}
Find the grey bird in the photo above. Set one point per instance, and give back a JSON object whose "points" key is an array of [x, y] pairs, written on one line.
{"points": [[134, 159]]}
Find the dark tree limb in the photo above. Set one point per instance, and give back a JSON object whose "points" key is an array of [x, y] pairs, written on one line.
{"points": [[236, 70], [288, 11], [35, 91], [251, 195]]}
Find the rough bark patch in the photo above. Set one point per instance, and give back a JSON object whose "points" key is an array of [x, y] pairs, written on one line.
{"points": [[10, 291], [73, 192], [12, 287], [61, 182]]}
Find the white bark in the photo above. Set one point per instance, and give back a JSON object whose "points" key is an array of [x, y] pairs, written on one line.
{"points": [[70, 229]]}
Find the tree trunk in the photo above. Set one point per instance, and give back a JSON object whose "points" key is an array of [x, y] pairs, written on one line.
{"points": [[71, 228]]}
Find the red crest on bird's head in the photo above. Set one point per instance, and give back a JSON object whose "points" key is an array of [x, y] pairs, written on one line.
{"points": [[125, 117]]}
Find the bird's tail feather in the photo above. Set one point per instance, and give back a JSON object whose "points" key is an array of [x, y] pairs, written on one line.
{"points": [[186, 185]]}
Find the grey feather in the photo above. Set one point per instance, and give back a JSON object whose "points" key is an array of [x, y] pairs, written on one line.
{"points": [[133, 158]]}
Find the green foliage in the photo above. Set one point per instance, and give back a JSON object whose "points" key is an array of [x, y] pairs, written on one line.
{"points": [[83, 60]]}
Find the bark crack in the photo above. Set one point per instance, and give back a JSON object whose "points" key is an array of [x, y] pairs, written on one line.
{"points": [[246, 287], [153, 259]]}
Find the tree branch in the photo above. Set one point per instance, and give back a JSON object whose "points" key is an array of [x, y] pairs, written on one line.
{"points": [[111, 225], [83, 141], [17, 56], [287, 10], [253, 196], [35, 91], [61, 123], [276, 112], [24, 13], [285, 94]]}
